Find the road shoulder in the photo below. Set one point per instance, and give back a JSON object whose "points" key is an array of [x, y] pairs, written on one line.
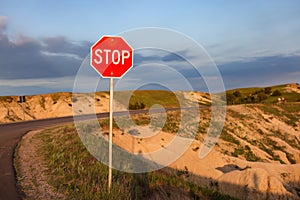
{"points": [[31, 171]]}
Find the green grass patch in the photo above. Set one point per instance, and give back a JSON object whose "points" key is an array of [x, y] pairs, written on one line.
{"points": [[290, 157], [270, 109], [260, 95], [75, 173], [42, 102], [228, 137], [289, 113], [250, 156], [238, 151], [148, 98]]}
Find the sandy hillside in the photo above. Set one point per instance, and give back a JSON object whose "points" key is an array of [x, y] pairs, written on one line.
{"points": [[256, 157], [51, 105], [227, 174], [67, 104]]}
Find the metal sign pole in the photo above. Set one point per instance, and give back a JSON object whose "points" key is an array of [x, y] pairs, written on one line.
{"points": [[111, 93], [109, 67]]}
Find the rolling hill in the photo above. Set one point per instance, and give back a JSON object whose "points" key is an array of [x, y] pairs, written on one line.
{"points": [[257, 155]]}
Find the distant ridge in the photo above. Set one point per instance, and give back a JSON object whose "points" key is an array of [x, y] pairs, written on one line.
{"points": [[60, 104]]}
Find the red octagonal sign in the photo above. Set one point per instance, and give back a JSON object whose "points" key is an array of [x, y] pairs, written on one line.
{"points": [[111, 56]]}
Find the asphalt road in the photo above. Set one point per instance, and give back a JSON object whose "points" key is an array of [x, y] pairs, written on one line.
{"points": [[11, 134]]}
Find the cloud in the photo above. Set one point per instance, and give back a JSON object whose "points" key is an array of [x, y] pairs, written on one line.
{"points": [[27, 58], [248, 71], [261, 71], [64, 46], [3, 23], [35, 86], [48, 64]]}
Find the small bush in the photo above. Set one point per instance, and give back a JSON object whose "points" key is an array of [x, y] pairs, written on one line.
{"points": [[7, 99], [276, 93], [136, 106], [291, 158], [42, 102], [74, 99], [238, 151], [268, 90], [237, 93], [229, 138], [261, 97], [250, 156], [55, 97]]}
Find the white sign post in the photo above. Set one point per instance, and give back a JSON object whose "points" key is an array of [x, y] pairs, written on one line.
{"points": [[111, 57], [111, 96]]}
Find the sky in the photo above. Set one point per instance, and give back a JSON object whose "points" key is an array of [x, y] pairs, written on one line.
{"points": [[43, 43]]}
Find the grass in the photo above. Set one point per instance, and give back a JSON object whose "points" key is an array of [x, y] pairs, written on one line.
{"points": [[290, 158], [285, 137], [238, 151], [180, 122], [75, 173], [7, 99], [259, 95], [250, 156], [42, 102], [228, 137], [270, 109], [55, 97], [149, 97], [17, 164], [246, 152], [289, 113]]}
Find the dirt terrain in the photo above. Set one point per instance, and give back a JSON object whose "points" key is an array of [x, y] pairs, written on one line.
{"points": [[50, 105], [257, 155], [32, 169], [260, 149], [66, 104]]}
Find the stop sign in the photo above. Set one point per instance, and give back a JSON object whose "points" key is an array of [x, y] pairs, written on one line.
{"points": [[111, 56]]}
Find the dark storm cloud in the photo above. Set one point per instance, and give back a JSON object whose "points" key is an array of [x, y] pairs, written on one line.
{"points": [[259, 71], [26, 57], [266, 66], [57, 57], [172, 57], [62, 45], [140, 58], [159, 55], [263, 70]]}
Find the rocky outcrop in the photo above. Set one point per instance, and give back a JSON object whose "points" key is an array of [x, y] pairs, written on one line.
{"points": [[254, 184]]}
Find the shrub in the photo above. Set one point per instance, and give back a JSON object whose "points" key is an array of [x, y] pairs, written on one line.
{"points": [[268, 90], [7, 99], [238, 151], [250, 156], [230, 98], [136, 106], [291, 158], [42, 102], [229, 138], [55, 97], [261, 97], [276, 93], [74, 99], [237, 93]]}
